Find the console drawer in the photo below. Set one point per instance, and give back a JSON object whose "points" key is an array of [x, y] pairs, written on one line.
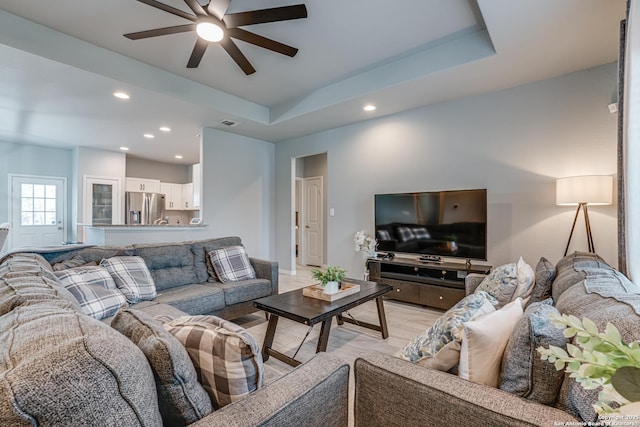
{"points": [[440, 296], [402, 291]]}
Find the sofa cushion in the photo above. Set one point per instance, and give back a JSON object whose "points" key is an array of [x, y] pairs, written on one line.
{"points": [[76, 261], [483, 342], [545, 274], [232, 264], [61, 368], [439, 346], [569, 270], [226, 356], [182, 400], [500, 283], [93, 254], [170, 264], [201, 249], [523, 372], [246, 290], [29, 289], [132, 277], [26, 264], [621, 309], [193, 299], [94, 289]]}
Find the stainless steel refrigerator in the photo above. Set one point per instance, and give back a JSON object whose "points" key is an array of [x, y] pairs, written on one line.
{"points": [[143, 208]]}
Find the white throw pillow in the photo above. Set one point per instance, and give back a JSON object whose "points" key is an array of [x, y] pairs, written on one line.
{"points": [[483, 343], [526, 280]]}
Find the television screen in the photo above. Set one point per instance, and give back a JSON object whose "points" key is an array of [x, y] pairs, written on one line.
{"points": [[440, 223]]}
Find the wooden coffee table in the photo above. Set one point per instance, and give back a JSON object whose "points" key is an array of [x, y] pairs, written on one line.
{"points": [[309, 311]]}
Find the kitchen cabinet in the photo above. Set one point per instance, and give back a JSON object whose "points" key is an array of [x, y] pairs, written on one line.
{"points": [[196, 175], [141, 185], [173, 196], [187, 197], [102, 200]]}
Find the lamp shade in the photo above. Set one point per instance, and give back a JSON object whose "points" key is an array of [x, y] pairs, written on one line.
{"points": [[591, 189]]}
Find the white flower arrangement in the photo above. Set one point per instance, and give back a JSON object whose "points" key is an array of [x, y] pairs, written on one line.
{"points": [[365, 244]]}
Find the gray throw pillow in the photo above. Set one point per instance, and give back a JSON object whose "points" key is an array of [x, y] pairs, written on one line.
{"points": [[545, 275], [523, 372], [132, 277], [182, 400]]}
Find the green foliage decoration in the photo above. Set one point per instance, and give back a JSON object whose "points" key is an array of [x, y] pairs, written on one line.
{"points": [[332, 274], [599, 359]]}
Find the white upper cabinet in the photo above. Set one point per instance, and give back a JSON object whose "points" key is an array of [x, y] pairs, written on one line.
{"points": [[141, 185], [196, 174], [173, 196], [187, 197]]}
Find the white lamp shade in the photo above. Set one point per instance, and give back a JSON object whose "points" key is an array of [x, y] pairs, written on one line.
{"points": [[592, 189]]}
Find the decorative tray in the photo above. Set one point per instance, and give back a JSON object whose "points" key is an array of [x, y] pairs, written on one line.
{"points": [[317, 291]]}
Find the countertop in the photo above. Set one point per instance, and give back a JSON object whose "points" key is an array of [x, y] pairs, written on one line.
{"points": [[145, 226]]}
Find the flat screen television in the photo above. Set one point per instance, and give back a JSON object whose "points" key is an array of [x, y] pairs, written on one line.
{"points": [[436, 223]]}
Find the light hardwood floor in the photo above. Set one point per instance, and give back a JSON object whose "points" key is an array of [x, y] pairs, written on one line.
{"points": [[346, 341]]}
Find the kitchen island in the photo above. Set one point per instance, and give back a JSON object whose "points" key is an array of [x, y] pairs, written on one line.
{"points": [[130, 234]]}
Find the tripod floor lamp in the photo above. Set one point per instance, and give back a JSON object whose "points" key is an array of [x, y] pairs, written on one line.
{"points": [[582, 191]]}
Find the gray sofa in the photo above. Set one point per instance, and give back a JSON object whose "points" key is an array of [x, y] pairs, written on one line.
{"points": [[59, 367], [181, 275], [393, 392]]}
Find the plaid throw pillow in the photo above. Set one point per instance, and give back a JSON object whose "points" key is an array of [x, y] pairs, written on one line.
{"points": [[383, 235], [132, 277], [232, 264], [94, 289], [421, 233], [226, 356], [405, 234], [182, 399]]}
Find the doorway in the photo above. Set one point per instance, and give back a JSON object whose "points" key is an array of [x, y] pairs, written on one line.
{"points": [[37, 211], [309, 196]]}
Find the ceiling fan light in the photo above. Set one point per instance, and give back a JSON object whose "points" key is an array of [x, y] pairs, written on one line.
{"points": [[209, 31]]}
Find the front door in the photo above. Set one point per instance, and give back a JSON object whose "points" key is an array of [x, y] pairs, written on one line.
{"points": [[37, 211], [312, 221]]}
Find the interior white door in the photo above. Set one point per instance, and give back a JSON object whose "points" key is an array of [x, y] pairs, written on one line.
{"points": [[38, 214], [313, 217]]}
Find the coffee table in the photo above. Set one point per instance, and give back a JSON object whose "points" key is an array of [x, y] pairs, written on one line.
{"points": [[309, 311]]}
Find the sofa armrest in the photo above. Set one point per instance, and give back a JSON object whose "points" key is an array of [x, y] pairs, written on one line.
{"points": [[315, 394], [393, 392], [472, 281], [266, 270]]}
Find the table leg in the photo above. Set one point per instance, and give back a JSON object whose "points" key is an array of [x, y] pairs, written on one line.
{"points": [[268, 338], [382, 318], [324, 335], [339, 319]]}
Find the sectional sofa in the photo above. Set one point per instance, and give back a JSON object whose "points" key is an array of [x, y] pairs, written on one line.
{"points": [[394, 392], [60, 367]]}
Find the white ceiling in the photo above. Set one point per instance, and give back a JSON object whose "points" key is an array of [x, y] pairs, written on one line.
{"points": [[60, 62]]}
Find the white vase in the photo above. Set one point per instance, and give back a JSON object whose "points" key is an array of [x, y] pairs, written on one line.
{"points": [[331, 288]]}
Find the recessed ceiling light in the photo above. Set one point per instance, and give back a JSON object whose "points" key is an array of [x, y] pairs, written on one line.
{"points": [[124, 148], [369, 107], [178, 156], [149, 135], [165, 129], [121, 95]]}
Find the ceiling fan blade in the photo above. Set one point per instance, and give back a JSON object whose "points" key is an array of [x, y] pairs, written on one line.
{"points": [[195, 6], [169, 9], [263, 42], [218, 8], [197, 53], [160, 32], [262, 16], [233, 51]]}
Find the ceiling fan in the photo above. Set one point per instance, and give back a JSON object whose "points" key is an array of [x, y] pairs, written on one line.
{"points": [[212, 24]]}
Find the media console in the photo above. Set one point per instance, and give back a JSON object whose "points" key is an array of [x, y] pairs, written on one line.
{"points": [[439, 285]]}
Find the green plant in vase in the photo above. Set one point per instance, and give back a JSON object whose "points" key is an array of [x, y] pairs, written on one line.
{"points": [[600, 359], [329, 279]]}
